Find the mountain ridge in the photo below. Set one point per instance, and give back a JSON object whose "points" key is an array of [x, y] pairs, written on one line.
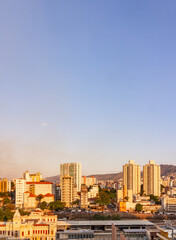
{"points": [[166, 169]]}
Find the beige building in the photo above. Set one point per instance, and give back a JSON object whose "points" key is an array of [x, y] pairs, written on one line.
{"points": [[132, 177], [20, 188], [39, 187], [32, 177], [168, 203], [30, 199], [84, 196], [93, 191], [73, 170], [151, 179], [36, 226], [88, 181], [5, 185], [67, 190], [124, 195]]}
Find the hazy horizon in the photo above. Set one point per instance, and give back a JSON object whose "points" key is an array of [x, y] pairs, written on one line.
{"points": [[86, 81]]}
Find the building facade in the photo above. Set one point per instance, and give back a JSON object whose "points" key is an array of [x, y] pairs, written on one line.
{"points": [[36, 226], [67, 190], [73, 170], [84, 196], [20, 188], [151, 179], [88, 181], [33, 177], [132, 177], [5, 185], [39, 187]]}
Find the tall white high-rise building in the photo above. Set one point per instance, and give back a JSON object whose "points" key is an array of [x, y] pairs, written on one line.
{"points": [[73, 170], [20, 188], [151, 179], [132, 177]]}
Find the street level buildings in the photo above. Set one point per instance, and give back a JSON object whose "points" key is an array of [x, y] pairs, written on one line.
{"points": [[36, 226]]}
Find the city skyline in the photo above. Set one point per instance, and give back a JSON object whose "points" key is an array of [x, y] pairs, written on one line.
{"points": [[26, 172], [88, 82]]}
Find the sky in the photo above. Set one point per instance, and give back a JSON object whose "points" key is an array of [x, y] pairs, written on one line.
{"points": [[86, 81]]}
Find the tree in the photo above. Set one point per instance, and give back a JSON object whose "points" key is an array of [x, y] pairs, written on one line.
{"points": [[2, 215], [76, 202], [142, 190], [56, 205], [22, 212], [39, 198], [43, 205], [8, 214], [126, 199], [103, 198], [162, 187], [12, 185], [155, 199], [138, 207], [6, 201]]}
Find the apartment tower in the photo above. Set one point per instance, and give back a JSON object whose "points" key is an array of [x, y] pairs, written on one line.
{"points": [[67, 190], [73, 170], [151, 179], [132, 177]]}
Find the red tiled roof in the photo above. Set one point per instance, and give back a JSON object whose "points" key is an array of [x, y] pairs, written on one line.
{"points": [[38, 225], [27, 192], [39, 183], [48, 195], [3, 225], [32, 195]]}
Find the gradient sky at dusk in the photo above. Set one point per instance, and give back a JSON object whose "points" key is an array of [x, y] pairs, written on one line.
{"points": [[88, 81]]}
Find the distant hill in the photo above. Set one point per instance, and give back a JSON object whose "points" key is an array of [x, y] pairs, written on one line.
{"points": [[99, 177], [53, 178], [165, 170], [109, 176]]}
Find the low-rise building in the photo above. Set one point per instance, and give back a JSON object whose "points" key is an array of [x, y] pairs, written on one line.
{"points": [[88, 181], [31, 202], [32, 177], [39, 187], [32, 227], [168, 203], [93, 191]]}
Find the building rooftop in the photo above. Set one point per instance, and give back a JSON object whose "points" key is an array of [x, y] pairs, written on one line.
{"points": [[39, 183], [107, 223]]}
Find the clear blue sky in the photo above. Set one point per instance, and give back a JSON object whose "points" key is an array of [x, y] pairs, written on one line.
{"points": [[91, 81]]}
